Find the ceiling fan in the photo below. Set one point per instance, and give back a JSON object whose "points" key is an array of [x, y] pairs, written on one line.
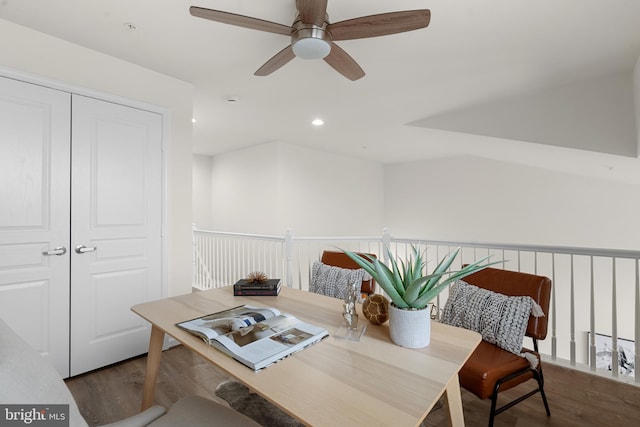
{"points": [[313, 36]]}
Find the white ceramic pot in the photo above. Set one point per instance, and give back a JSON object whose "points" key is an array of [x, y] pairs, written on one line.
{"points": [[410, 328]]}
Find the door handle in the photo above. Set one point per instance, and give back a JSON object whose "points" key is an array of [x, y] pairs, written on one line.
{"points": [[82, 249], [59, 250]]}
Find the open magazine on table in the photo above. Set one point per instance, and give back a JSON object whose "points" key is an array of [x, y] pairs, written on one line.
{"points": [[255, 336]]}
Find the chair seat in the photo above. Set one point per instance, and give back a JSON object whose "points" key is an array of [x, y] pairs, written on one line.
{"points": [[196, 411], [487, 365]]}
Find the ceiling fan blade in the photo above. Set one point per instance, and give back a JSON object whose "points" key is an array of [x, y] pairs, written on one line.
{"points": [[240, 20], [380, 25], [312, 11], [276, 62], [343, 63]]}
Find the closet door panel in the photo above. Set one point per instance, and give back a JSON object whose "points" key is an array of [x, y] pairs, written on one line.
{"points": [[116, 217], [34, 216]]}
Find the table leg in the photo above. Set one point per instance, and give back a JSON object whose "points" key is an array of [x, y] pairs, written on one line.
{"points": [[153, 366], [454, 399]]}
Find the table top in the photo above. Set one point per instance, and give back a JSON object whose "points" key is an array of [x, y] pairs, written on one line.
{"points": [[336, 382]]}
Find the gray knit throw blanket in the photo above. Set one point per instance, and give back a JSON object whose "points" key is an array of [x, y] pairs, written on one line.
{"points": [[334, 281], [500, 319]]}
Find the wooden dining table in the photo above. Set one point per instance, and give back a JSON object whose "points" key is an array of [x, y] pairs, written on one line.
{"points": [[336, 382]]}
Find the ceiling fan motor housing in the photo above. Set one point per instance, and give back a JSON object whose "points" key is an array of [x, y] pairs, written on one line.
{"points": [[310, 41]]}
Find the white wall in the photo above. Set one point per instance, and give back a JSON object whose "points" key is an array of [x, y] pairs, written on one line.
{"points": [[329, 194], [636, 99], [201, 199], [245, 191], [271, 187], [268, 188], [28, 51], [475, 199]]}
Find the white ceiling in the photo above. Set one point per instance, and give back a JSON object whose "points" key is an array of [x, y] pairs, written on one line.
{"points": [[473, 52]]}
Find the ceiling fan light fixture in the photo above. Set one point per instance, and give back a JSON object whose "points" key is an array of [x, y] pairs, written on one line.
{"points": [[311, 48], [310, 41]]}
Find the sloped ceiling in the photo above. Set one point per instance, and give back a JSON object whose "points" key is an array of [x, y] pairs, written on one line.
{"points": [[595, 115], [483, 74]]}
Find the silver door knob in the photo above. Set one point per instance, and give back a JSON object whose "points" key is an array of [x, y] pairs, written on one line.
{"points": [[82, 249], [58, 250]]}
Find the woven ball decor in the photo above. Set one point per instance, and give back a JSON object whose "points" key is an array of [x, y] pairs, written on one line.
{"points": [[376, 309]]}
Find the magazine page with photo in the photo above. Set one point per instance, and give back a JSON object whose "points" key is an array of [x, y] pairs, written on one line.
{"points": [[257, 337], [210, 326]]}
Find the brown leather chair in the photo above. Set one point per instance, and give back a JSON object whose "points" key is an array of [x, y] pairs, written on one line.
{"points": [[490, 369], [340, 259]]}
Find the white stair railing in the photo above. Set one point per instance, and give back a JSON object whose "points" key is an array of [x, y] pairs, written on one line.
{"points": [[595, 293]]}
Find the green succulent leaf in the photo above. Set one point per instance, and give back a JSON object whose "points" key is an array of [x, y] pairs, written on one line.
{"points": [[428, 296], [417, 287], [398, 283], [362, 262], [386, 280], [442, 267], [405, 281]]}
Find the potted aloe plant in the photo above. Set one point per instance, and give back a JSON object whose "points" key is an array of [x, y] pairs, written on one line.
{"points": [[411, 291]]}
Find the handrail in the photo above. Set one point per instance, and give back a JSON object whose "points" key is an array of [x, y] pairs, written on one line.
{"points": [[575, 250], [236, 234]]}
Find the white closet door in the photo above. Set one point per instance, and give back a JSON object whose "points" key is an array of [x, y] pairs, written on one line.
{"points": [[116, 225], [34, 217]]}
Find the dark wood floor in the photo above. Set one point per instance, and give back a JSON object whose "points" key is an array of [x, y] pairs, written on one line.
{"points": [[575, 398]]}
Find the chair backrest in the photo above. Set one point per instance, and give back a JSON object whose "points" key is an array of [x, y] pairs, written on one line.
{"points": [[340, 259], [514, 283]]}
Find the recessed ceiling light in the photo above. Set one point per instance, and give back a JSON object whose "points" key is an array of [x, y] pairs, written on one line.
{"points": [[193, 120], [317, 122]]}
